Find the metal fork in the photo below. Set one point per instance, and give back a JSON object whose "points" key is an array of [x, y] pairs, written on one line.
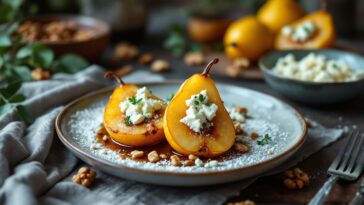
{"points": [[359, 196], [348, 165]]}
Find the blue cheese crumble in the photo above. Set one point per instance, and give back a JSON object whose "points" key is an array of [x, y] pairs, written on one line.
{"points": [[140, 107], [200, 113], [301, 33]]}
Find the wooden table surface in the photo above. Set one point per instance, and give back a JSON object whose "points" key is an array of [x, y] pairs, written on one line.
{"points": [[269, 190]]}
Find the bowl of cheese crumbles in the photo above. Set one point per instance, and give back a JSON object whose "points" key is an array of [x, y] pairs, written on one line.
{"points": [[317, 77]]}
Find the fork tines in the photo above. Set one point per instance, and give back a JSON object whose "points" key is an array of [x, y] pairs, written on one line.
{"points": [[350, 161]]}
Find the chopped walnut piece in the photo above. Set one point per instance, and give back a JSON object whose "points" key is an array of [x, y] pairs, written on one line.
{"points": [[146, 59], [160, 66], [246, 202], [241, 63], [135, 154], [175, 160], [295, 179], [240, 147], [40, 74], [233, 71], [238, 129], [85, 176], [194, 58], [125, 51], [188, 163], [163, 156], [192, 157], [153, 156], [122, 71], [254, 136]]}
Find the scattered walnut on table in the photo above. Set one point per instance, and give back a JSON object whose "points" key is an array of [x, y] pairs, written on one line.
{"points": [[194, 58], [160, 66], [237, 66], [175, 160], [153, 156], [145, 59], [40, 74], [124, 70], [135, 154], [85, 176], [295, 179], [125, 51], [246, 202]]}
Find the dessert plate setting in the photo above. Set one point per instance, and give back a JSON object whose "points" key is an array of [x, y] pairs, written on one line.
{"points": [[80, 121]]}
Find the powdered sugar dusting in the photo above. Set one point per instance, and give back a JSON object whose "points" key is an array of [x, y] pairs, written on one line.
{"points": [[84, 124]]}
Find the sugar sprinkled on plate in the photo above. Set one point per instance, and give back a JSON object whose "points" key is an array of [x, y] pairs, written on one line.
{"points": [[85, 123]]}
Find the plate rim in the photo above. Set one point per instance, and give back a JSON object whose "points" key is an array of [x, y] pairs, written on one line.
{"points": [[109, 165]]}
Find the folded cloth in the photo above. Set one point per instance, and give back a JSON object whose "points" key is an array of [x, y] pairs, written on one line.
{"points": [[36, 168]]}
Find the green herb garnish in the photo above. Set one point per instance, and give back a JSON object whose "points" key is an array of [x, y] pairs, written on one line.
{"points": [[134, 101], [196, 102], [265, 140], [128, 121], [201, 98]]}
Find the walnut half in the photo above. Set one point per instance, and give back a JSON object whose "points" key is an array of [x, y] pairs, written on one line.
{"points": [[85, 176]]}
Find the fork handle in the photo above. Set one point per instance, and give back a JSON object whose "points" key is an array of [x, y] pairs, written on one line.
{"points": [[322, 194], [358, 199]]}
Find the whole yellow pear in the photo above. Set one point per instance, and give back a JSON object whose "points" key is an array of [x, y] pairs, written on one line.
{"points": [[248, 38], [277, 13]]}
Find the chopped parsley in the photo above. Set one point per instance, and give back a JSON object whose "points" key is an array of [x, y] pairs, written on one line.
{"points": [[196, 102], [265, 140], [201, 98], [134, 101], [171, 96], [128, 121]]}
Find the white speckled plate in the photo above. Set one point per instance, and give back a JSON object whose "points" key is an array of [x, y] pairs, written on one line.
{"points": [[78, 123]]}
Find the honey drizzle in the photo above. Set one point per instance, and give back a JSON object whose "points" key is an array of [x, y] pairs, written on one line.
{"points": [[162, 148]]}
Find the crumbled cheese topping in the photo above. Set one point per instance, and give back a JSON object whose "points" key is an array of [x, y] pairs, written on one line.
{"points": [[199, 113], [235, 115], [301, 33], [140, 107], [316, 68]]}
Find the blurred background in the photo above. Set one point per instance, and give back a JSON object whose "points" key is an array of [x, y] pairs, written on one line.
{"points": [[138, 17]]}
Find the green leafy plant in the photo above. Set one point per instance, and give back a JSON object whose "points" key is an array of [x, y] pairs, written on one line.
{"points": [[17, 61], [10, 99]]}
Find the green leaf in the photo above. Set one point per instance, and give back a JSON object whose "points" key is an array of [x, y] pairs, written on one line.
{"points": [[265, 140], [24, 114], [7, 12], [70, 63], [23, 72], [14, 3], [38, 55], [17, 98], [128, 121], [10, 89], [5, 108], [9, 28], [5, 43]]}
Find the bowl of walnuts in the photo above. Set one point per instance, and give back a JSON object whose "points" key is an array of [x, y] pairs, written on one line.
{"points": [[81, 35]]}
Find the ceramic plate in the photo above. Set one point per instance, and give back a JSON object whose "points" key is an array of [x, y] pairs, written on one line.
{"points": [[78, 123]]}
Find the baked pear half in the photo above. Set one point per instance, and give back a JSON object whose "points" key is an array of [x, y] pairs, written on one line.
{"points": [[196, 121], [133, 116]]}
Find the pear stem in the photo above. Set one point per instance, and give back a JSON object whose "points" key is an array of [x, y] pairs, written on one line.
{"points": [[111, 74], [324, 5], [209, 66]]}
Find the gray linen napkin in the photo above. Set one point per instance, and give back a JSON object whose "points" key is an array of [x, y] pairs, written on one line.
{"points": [[35, 168]]}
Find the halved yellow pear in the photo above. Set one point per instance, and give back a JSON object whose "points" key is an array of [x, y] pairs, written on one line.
{"points": [[146, 133], [220, 137]]}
